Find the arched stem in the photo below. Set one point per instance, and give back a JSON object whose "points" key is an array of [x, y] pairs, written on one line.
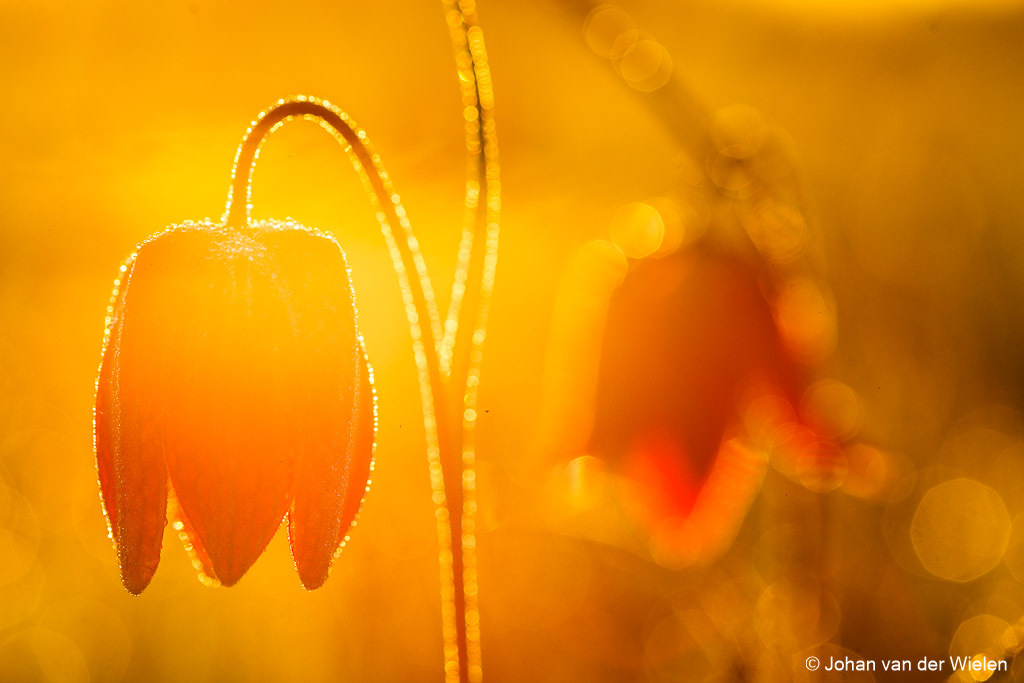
{"points": [[445, 424], [389, 209]]}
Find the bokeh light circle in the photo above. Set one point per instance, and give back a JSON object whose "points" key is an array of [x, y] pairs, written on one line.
{"points": [[960, 530], [646, 65], [637, 229]]}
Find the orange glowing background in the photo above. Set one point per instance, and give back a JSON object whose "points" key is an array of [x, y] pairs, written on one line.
{"points": [[792, 232]]}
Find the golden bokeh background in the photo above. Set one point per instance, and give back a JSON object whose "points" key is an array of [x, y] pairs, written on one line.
{"points": [[859, 164]]}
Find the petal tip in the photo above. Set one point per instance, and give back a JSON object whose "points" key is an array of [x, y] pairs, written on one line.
{"points": [[313, 582], [135, 584], [228, 583], [313, 585], [229, 572]]}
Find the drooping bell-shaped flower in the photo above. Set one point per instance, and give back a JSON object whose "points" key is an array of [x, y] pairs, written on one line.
{"points": [[685, 336], [696, 389], [234, 391]]}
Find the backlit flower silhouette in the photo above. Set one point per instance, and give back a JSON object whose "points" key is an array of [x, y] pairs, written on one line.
{"points": [[234, 390], [234, 387]]}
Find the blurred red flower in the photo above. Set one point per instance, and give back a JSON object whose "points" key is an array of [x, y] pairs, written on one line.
{"points": [[696, 388]]}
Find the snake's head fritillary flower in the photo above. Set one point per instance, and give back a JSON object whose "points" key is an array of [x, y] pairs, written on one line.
{"points": [[696, 386], [234, 390]]}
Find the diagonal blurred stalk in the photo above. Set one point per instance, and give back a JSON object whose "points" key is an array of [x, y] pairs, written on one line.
{"points": [[689, 119]]}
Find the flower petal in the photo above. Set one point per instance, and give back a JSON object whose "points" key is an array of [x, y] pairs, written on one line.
{"points": [[133, 478], [333, 478], [335, 413]]}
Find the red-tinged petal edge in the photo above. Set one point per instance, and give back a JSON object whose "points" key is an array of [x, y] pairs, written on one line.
{"points": [[332, 481], [133, 478], [101, 412]]}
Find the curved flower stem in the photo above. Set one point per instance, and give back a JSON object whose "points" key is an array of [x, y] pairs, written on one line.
{"points": [[451, 472], [388, 205]]}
